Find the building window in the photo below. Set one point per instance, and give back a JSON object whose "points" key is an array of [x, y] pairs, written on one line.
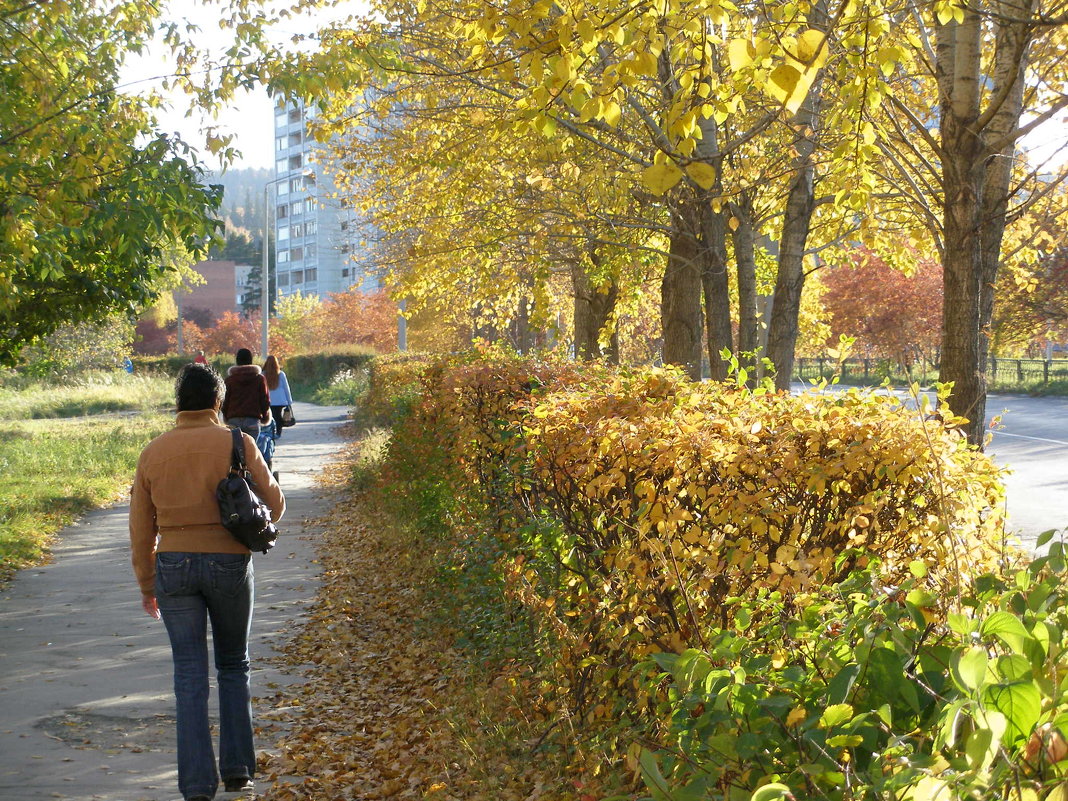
{"points": [[283, 233], [283, 189], [298, 207], [309, 251], [295, 139], [294, 116], [311, 227], [283, 256], [280, 143], [297, 254], [311, 275], [283, 279], [283, 211], [280, 165], [344, 225], [295, 162], [298, 230], [297, 277], [346, 248], [344, 272]]}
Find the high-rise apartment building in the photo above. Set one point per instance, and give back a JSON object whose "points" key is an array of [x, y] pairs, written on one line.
{"points": [[314, 236]]}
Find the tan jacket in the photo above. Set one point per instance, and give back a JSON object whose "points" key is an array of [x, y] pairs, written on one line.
{"points": [[173, 493]]}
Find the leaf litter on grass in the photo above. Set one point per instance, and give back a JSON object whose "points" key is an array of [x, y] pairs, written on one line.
{"points": [[386, 708]]}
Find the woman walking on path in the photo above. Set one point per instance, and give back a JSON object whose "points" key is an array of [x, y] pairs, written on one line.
{"points": [[247, 404], [278, 385], [192, 570]]}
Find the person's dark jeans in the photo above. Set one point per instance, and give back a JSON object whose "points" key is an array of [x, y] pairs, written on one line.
{"points": [[276, 413], [192, 588], [250, 425]]}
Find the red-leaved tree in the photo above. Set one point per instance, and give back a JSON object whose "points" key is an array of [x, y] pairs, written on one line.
{"points": [[358, 317], [892, 315], [230, 332]]}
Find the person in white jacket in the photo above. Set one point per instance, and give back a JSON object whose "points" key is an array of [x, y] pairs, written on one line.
{"points": [[279, 389]]}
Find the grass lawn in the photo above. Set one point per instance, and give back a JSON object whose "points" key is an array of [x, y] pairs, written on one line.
{"points": [[52, 471], [94, 393]]}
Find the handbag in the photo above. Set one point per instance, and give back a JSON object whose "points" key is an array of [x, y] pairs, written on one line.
{"points": [[241, 511], [287, 417]]}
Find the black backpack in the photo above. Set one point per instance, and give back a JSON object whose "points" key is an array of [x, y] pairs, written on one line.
{"points": [[242, 513]]}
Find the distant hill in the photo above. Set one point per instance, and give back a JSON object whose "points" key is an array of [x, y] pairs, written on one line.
{"points": [[242, 211]]}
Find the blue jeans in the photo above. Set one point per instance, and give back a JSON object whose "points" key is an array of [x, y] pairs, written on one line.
{"points": [[250, 425], [192, 588]]}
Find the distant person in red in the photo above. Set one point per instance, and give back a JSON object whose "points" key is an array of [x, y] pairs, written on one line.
{"points": [[248, 402], [200, 358]]}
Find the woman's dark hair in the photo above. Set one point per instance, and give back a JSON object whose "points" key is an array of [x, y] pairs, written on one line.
{"points": [[244, 356], [198, 387]]}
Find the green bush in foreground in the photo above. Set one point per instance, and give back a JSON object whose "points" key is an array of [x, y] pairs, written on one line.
{"points": [[859, 692]]}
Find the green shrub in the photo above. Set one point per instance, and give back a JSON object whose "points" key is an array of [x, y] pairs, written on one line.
{"points": [[862, 694]]}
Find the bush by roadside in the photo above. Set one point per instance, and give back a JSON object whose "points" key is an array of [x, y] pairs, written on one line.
{"points": [[729, 594]]}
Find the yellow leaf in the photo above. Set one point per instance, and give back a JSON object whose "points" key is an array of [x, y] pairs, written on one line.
{"points": [[733, 223], [704, 175], [811, 48], [661, 177], [738, 54], [796, 716], [611, 112]]}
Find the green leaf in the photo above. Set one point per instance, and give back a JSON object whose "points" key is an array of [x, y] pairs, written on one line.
{"points": [[1009, 629], [1020, 703], [845, 741], [653, 778], [971, 668], [980, 749], [1045, 537]]}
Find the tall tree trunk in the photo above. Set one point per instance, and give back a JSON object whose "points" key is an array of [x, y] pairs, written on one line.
{"points": [[716, 288], [1013, 43], [800, 203], [680, 295], [713, 256], [594, 307], [790, 278], [745, 264], [958, 56], [523, 334]]}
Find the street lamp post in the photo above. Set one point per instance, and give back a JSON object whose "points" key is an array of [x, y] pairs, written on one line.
{"points": [[265, 278]]}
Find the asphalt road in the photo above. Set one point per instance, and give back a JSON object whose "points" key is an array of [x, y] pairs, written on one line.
{"points": [[1032, 443]]}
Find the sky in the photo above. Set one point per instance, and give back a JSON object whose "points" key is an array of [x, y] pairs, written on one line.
{"points": [[249, 116]]}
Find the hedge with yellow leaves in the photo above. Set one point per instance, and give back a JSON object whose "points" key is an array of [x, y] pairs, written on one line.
{"points": [[637, 513]]}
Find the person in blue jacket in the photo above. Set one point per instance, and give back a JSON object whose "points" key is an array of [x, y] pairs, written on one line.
{"points": [[279, 388]]}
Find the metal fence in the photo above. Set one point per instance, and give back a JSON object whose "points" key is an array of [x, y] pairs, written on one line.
{"points": [[1000, 372]]}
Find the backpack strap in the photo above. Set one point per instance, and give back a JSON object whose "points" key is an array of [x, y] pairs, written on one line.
{"points": [[237, 455]]}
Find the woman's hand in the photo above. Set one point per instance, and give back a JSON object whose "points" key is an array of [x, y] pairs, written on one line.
{"points": [[148, 603]]}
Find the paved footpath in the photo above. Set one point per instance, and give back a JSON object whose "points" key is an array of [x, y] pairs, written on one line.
{"points": [[86, 708]]}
